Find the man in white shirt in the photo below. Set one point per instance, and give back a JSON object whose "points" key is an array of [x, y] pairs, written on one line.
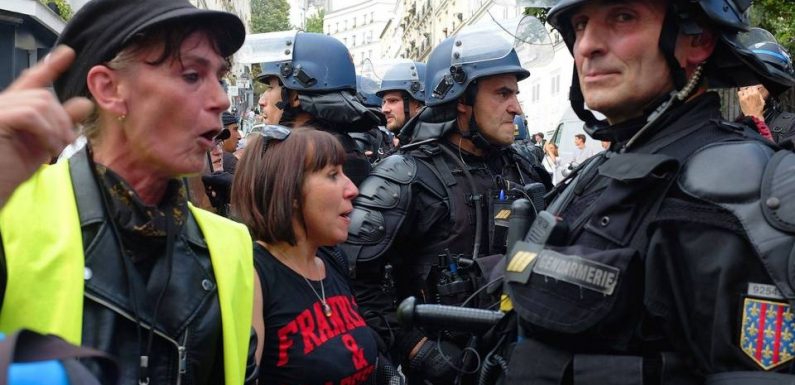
{"points": [[581, 152]]}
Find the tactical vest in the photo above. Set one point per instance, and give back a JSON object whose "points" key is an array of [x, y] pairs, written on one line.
{"points": [[45, 262]]}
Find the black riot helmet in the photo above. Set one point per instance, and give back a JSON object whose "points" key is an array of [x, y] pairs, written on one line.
{"points": [[731, 64], [457, 63], [776, 59], [454, 67], [318, 67], [460, 60]]}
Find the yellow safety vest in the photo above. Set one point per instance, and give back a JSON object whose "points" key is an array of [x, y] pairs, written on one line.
{"points": [[40, 229]]}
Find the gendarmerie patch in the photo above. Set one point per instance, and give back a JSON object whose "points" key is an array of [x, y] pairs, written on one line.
{"points": [[767, 332], [578, 271]]}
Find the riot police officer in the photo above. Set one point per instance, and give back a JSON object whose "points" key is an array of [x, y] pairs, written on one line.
{"points": [[376, 142], [423, 212], [759, 102], [668, 263], [311, 81], [403, 93]]}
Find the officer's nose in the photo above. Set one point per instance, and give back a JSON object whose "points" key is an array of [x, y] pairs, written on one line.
{"points": [[514, 107], [589, 40]]}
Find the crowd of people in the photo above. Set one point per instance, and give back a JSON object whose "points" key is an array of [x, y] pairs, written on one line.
{"points": [[664, 258]]}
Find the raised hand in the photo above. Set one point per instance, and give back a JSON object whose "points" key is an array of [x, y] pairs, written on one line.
{"points": [[34, 125], [752, 101]]}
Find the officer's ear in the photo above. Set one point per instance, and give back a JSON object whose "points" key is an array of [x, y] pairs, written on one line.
{"points": [[294, 100], [462, 107], [696, 48], [464, 114]]}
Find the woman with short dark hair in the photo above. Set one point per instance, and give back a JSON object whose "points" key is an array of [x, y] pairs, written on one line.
{"points": [[290, 190]]}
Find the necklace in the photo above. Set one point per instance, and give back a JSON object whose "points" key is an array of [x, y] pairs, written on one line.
{"points": [[321, 297]]}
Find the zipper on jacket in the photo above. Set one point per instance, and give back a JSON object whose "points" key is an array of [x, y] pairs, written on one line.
{"points": [[182, 354]]}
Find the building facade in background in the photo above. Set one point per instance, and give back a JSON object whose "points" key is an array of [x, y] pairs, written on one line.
{"points": [[241, 8], [390, 29], [28, 30], [238, 83], [358, 24]]}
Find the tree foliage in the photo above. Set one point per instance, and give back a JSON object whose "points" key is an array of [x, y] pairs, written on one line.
{"points": [[314, 23], [776, 16], [270, 16], [539, 13], [61, 7]]}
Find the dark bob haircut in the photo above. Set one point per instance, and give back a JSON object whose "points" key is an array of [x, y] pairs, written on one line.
{"points": [[269, 181]]}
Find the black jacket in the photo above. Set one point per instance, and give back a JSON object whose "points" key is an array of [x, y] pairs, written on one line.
{"points": [[682, 267], [427, 208]]}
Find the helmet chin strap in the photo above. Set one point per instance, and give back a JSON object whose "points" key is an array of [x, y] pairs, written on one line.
{"points": [[406, 116], [289, 113], [282, 104], [474, 133]]}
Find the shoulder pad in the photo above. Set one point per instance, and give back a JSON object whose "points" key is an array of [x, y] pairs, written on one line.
{"points": [[380, 208], [398, 168], [382, 189], [757, 185], [726, 172], [778, 191]]}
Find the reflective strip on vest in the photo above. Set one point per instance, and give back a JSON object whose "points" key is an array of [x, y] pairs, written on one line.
{"points": [[40, 229]]}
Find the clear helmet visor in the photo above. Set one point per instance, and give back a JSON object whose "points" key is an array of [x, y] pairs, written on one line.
{"points": [[368, 81], [755, 36], [401, 70], [527, 35], [387, 70], [268, 47]]}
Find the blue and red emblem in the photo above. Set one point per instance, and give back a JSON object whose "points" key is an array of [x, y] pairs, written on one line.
{"points": [[768, 332]]}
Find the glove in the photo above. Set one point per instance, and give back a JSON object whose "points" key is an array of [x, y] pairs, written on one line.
{"points": [[435, 366], [385, 373]]}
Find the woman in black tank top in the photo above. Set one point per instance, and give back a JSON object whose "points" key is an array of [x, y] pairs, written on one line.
{"points": [[290, 190]]}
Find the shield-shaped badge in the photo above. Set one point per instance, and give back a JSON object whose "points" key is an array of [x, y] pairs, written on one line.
{"points": [[767, 333]]}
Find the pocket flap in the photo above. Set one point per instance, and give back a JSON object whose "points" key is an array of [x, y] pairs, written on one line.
{"points": [[571, 289]]}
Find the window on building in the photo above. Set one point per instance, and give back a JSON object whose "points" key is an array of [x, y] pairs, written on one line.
{"points": [[353, 41], [354, 22], [535, 93], [337, 27], [372, 17], [346, 25], [369, 36], [555, 84]]}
